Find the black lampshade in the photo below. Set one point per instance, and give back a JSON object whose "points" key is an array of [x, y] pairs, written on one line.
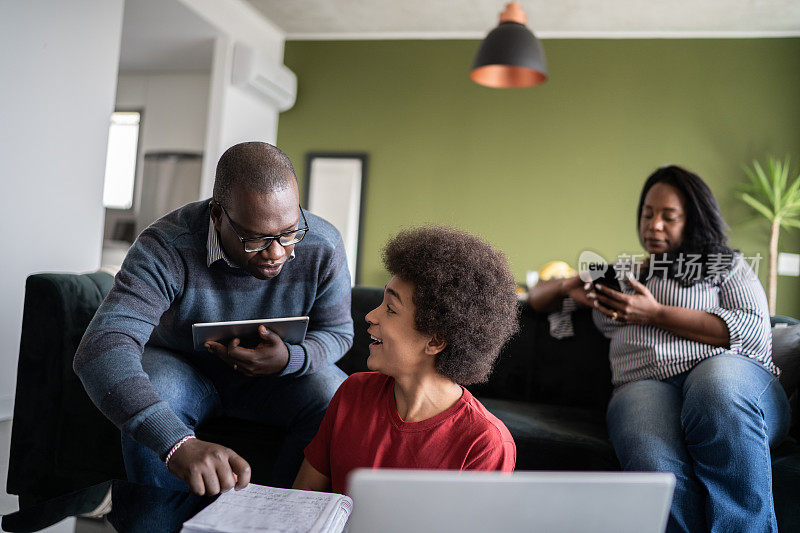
{"points": [[510, 56]]}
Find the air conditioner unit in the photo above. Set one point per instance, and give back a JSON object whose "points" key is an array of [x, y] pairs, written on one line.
{"points": [[266, 79]]}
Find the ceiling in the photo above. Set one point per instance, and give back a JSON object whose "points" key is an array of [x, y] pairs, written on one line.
{"points": [[397, 19], [164, 35]]}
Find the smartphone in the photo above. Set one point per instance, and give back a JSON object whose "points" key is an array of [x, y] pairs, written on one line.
{"points": [[609, 278]]}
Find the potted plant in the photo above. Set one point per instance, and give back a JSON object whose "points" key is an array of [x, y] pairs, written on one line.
{"points": [[774, 196]]}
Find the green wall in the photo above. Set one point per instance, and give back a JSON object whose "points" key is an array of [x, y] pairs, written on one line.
{"points": [[546, 172]]}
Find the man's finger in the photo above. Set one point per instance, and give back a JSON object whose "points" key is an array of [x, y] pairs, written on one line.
{"points": [[225, 476], [268, 336], [211, 482], [220, 351], [241, 355], [238, 353], [195, 482], [241, 470], [216, 348]]}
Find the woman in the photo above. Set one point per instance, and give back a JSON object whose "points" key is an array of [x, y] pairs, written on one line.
{"points": [[696, 392], [448, 309]]}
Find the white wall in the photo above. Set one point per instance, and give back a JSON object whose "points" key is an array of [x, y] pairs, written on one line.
{"points": [[243, 22], [175, 108], [59, 67], [175, 112], [235, 115]]}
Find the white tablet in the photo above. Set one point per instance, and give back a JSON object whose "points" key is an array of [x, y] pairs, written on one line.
{"points": [[291, 329]]}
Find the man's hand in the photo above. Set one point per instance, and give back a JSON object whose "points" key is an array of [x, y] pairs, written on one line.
{"points": [[270, 356], [209, 468]]}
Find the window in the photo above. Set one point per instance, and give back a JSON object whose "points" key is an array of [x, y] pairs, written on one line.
{"points": [[123, 144]]}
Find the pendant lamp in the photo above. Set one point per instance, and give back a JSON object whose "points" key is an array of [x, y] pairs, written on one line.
{"points": [[510, 56]]}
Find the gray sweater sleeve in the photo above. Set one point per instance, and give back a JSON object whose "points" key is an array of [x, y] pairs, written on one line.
{"points": [[108, 359], [330, 330]]}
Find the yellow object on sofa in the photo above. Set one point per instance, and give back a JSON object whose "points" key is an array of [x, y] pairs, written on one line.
{"points": [[556, 270]]}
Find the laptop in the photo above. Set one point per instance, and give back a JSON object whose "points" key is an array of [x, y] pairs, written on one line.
{"points": [[439, 500]]}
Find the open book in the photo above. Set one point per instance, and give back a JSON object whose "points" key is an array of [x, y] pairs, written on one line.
{"points": [[260, 508]]}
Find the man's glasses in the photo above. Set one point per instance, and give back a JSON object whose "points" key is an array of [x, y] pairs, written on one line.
{"points": [[256, 244]]}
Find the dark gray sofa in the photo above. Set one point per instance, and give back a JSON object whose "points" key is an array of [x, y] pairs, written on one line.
{"points": [[550, 393]]}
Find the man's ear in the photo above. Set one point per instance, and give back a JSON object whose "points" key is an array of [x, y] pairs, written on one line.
{"points": [[435, 345], [216, 213]]}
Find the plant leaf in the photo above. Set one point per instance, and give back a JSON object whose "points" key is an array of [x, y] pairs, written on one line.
{"points": [[776, 177], [792, 195], [774, 172], [759, 179], [758, 206], [790, 222]]}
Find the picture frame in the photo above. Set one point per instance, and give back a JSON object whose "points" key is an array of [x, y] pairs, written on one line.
{"points": [[335, 189]]}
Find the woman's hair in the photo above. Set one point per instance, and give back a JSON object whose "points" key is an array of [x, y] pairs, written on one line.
{"points": [[704, 230], [464, 294]]}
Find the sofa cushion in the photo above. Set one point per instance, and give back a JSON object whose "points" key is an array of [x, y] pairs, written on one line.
{"points": [[60, 441], [551, 437], [573, 371], [363, 300], [535, 366], [786, 355], [785, 485]]}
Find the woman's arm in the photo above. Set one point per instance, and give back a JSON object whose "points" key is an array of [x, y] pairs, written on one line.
{"points": [[308, 478], [643, 308], [739, 322], [743, 307], [694, 325], [546, 295]]}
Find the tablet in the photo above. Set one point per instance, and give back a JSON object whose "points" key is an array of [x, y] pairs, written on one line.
{"points": [[291, 329]]}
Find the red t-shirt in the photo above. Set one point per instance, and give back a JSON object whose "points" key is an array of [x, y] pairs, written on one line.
{"points": [[362, 429]]}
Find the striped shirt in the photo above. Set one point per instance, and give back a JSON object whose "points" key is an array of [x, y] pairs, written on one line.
{"points": [[215, 252], [640, 352]]}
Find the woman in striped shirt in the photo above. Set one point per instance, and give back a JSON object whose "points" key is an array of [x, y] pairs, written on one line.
{"points": [[696, 392]]}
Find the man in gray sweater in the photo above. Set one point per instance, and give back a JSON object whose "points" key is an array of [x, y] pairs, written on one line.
{"points": [[250, 252]]}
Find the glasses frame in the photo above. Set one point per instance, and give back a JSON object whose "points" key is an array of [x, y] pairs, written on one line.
{"points": [[269, 239]]}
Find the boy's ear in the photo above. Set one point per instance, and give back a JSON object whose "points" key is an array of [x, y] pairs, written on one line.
{"points": [[435, 345]]}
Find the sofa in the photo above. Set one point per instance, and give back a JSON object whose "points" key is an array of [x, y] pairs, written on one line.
{"points": [[550, 393]]}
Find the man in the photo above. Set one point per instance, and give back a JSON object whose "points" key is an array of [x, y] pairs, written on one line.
{"points": [[250, 252]]}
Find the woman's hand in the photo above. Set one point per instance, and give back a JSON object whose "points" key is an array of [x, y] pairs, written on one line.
{"points": [[578, 290], [639, 308]]}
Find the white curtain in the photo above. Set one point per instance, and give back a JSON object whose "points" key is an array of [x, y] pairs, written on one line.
{"points": [[169, 180]]}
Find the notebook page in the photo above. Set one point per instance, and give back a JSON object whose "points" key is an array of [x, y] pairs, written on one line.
{"points": [[268, 509]]}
